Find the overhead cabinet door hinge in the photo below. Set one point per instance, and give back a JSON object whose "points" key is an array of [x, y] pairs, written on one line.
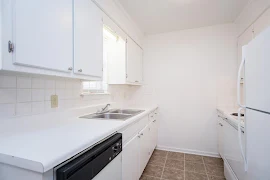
{"points": [[126, 76], [10, 47]]}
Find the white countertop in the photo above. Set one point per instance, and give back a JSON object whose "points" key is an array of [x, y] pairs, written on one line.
{"points": [[41, 142], [226, 112]]}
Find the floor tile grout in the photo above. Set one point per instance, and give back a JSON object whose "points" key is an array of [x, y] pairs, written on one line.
{"points": [[205, 169], [184, 166], [164, 164]]}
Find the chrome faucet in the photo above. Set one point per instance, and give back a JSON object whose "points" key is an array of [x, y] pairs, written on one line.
{"points": [[103, 110]]}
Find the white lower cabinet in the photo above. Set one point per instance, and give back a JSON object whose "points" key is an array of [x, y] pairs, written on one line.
{"points": [[144, 136], [220, 137], [138, 150], [130, 161], [229, 148]]}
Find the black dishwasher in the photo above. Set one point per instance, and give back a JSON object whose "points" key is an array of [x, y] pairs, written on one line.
{"points": [[90, 163]]}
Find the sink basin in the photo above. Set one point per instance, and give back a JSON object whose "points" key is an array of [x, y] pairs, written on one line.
{"points": [[107, 116], [126, 111], [115, 114]]}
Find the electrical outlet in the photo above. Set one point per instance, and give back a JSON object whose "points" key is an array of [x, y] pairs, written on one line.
{"points": [[54, 101]]}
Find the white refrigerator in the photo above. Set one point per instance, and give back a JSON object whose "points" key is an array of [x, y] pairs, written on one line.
{"points": [[256, 149]]}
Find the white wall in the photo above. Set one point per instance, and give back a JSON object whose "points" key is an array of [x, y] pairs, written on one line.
{"points": [[250, 14], [188, 74]]}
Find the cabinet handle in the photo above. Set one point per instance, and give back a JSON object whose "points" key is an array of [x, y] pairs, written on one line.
{"points": [[220, 124], [80, 70], [155, 120], [141, 134], [136, 81], [10, 47], [70, 68]]}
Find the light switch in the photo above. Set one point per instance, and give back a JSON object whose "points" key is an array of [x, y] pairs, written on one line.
{"points": [[54, 101]]}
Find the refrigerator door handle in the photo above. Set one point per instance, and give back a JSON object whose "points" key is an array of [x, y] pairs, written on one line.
{"points": [[238, 83], [240, 138]]}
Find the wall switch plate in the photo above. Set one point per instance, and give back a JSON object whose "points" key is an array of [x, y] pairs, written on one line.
{"points": [[54, 101]]}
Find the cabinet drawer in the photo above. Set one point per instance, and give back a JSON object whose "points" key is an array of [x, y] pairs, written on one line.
{"points": [[129, 132], [142, 123], [133, 129]]}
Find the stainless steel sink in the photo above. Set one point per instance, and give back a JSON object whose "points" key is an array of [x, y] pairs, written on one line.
{"points": [[126, 111], [115, 114]]}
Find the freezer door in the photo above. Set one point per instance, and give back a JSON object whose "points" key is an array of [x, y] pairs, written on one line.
{"points": [[257, 72], [257, 145]]}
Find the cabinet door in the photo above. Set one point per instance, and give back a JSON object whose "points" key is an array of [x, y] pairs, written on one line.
{"points": [[130, 161], [144, 148], [262, 23], [88, 38], [42, 32], [153, 127], [134, 62], [232, 151], [220, 137]]}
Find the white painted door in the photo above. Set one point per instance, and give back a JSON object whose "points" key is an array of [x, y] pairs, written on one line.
{"points": [[262, 23], [88, 38], [42, 34], [134, 62], [144, 148], [130, 162]]}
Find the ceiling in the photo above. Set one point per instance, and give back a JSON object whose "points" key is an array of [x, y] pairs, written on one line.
{"points": [[157, 16]]}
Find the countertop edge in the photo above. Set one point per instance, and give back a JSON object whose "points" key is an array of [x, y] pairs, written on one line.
{"points": [[40, 167]]}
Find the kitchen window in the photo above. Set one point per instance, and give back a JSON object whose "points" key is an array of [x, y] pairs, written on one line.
{"points": [[110, 45]]}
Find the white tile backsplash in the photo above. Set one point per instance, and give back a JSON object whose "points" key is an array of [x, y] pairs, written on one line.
{"points": [[23, 108], [23, 95], [50, 84], [60, 84], [38, 107], [38, 94], [32, 95], [7, 96], [61, 93], [48, 93], [7, 110], [24, 82], [7, 82], [38, 83]]}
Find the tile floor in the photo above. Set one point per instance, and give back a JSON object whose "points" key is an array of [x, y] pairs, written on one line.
{"points": [[165, 165]]}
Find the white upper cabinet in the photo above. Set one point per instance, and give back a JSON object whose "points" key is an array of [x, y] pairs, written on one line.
{"points": [[42, 34], [125, 62], [262, 23], [134, 62], [88, 38]]}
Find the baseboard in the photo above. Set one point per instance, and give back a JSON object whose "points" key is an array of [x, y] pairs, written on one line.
{"points": [[188, 151]]}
